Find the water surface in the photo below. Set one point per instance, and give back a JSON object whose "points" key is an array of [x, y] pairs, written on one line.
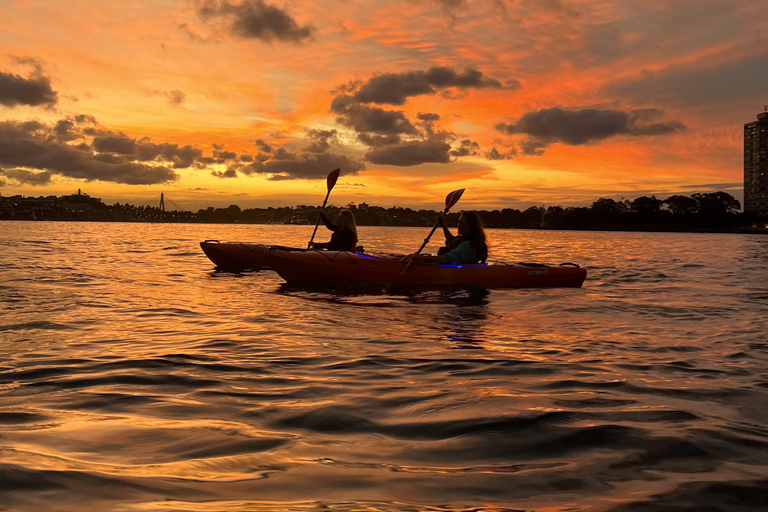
{"points": [[134, 376]]}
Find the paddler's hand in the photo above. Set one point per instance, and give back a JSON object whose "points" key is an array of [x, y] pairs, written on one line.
{"points": [[415, 257]]}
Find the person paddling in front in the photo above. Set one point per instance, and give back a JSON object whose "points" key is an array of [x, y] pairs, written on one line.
{"points": [[470, 246], [344, 237]]}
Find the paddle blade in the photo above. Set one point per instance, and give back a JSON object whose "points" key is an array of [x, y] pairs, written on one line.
{"points": [[453, 198], [332, 177]]}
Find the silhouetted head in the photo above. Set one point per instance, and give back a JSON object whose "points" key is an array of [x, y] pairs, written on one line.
{"points": [[346, 219]]}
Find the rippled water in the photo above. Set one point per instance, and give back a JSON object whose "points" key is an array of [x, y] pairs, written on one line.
{"points": [[133, 376]]}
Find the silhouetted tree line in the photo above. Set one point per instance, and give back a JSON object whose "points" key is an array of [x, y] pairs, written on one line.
{"points": [[698, 212], [708, 211], [717, 211]]}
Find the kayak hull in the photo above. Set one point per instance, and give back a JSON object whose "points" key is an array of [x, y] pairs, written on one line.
{"points": [[236, 255], [334, 267]]}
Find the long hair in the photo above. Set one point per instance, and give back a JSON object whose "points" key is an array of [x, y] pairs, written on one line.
{"points": [[476, 235], [347, 219]]}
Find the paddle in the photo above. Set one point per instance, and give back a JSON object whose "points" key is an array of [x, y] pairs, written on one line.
{"points": [[450, 200], [330, 181]]}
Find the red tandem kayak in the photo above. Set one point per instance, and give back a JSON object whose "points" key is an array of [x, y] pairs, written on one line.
{"points": [[333, 267]]}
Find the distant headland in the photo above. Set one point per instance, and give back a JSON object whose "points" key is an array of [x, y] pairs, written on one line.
{"points": [[707, 212]]}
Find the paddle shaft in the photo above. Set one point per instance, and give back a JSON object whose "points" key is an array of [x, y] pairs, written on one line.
{"points": [[450, 200], [330, 183], [318, 221], [426, 240]]}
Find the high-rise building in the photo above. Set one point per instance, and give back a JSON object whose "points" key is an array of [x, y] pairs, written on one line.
{"points": [[756, 165]]}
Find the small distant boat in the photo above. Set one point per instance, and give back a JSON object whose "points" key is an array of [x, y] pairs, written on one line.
{"points": [[237, 255], [335, 267]]}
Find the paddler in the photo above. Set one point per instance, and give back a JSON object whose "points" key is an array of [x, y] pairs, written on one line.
{"points": [[470, 246]]}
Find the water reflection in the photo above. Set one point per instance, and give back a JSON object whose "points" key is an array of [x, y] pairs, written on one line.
{"points": [[470, 319], [464, 322], [457, 315]]}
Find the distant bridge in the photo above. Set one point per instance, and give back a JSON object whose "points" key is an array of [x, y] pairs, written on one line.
{"points": [[161, 201]]}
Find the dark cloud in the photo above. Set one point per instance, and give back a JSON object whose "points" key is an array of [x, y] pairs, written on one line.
{"points": [[378, 140], [302, 166], [467, 148], [283, 154], [317, 147], [395, 139], [64, 131], [494, 154], [218, 157], [28, 177], [33, 145], [365, 119], [110, 158], [320, 140], [229, 173], [254, 19], [531, 147], [119, 144], [321, 134], [396, 88], [576, 127], [34, 90], [144, 150], [410, 153], [280, 163], [175, 98], [222, 156], [421, 116], [263, 146], [181, 156], [78, 147]]}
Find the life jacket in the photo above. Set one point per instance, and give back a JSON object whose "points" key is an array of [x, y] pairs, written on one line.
{"points": [[450, 245]]}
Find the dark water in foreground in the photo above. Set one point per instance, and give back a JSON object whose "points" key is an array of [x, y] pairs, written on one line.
{"points": [[133, 377]]}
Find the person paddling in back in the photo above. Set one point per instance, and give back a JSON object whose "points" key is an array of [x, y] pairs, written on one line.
{"points": [[344, 237], [470, 246]]}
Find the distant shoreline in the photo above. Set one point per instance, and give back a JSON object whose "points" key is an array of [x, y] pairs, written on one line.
{"points": [[716, 212]]}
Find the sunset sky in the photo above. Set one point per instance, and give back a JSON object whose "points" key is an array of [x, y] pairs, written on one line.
{"points": [[520, 102]]}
